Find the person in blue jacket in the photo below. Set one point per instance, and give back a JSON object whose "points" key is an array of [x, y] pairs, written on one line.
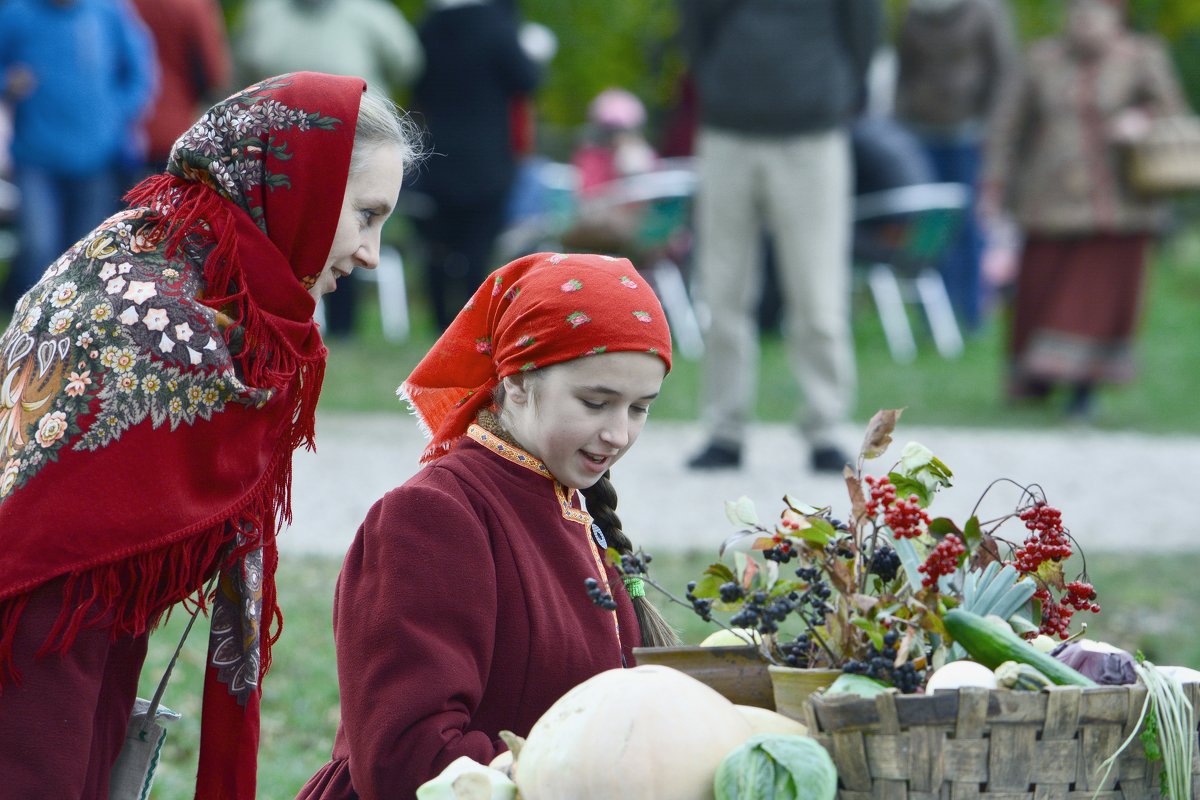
{"points": [[77, 74]]}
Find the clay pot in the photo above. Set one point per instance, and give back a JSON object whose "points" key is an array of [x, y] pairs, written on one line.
{"points": [[792, 687], [738, 673]]}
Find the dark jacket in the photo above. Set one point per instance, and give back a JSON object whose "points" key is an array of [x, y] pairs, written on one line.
{"points": [[474, 67], [952, 64], [461, 612], [778, 67]]}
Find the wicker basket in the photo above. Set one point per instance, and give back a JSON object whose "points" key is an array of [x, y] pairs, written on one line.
{"points": [[998, 745], [1167, 160]]}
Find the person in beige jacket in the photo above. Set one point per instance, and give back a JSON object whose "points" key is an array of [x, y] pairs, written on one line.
{"points": [[1056, 161]]}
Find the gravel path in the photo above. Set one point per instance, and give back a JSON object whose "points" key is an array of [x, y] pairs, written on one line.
{"points": [[1116, 490]]}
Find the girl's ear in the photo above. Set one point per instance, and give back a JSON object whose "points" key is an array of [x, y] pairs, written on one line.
{"points": [[516, 389]]}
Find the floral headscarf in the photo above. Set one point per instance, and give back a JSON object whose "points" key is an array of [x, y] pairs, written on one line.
{"points": [[155, 382], [534, 312]]}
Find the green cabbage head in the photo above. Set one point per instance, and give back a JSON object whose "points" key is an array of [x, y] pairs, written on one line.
{"points": [[772, 766]]}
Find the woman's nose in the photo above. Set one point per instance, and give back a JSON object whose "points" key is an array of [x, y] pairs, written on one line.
{"points": [[367, 255]]}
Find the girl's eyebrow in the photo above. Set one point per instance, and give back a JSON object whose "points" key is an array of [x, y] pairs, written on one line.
{"points": [[613, 392]]}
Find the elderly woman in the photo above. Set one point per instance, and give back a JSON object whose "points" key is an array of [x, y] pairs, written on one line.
{"points": [[1056, 158], [154, 385]]}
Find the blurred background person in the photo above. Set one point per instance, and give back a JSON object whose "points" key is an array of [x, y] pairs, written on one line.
{"points": [[612, 146], [78, 75], [194, 69], [614, 143], [370, 39], [778, 84], [469, 95], [1056, 159], [953, 56]]}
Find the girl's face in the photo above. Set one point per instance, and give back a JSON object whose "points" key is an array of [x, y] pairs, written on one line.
{"points": [[369, 200], [581, 416]]}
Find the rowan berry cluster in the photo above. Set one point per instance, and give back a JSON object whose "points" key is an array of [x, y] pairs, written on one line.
{"points": [[942, 560], [1081, 596], [1056, 618], [882, 494], [905, 517], [1048, 540]]}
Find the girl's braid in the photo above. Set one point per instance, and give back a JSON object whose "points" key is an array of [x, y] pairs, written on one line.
{"points": [[601, 498]]}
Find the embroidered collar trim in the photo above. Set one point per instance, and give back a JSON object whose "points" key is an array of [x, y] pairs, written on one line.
{"points": [[510, 452]]}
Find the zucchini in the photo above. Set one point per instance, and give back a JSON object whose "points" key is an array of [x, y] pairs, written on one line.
{"points": [[991, 642], [1023, 677]]}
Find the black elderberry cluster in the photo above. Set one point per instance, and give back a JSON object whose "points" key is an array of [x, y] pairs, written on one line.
{"points": [[731, 592], [880, 665], [635, 563], [885, 562], [764, 612], [796, 652], [599, 596], [782, 552], [701, 605]]}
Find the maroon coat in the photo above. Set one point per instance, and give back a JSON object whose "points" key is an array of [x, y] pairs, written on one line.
{"points": [[461, 612]]}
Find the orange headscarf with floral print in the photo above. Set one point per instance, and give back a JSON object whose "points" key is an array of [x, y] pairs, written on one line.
{"points": [[534, 312]]}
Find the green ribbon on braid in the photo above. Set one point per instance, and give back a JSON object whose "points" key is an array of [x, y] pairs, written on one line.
{"points": [[634, 585]]}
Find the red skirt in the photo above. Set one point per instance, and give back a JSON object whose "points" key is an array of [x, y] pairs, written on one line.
{"points": [[1078, 303], [63, 724]]}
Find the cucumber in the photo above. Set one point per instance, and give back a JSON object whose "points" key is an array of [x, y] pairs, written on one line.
{"points": [[991, 642]]}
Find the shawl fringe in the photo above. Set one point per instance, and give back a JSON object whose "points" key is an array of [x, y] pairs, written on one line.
{"points": [[271, 361], [131, 595]]}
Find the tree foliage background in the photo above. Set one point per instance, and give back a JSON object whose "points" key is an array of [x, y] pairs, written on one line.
{"points": [[631, 43]]}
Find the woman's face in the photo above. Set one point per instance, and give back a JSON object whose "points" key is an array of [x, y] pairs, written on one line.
{"points": [[580, 417], [370, 199]]}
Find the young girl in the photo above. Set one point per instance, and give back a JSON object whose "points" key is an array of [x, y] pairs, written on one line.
{"points": [[153, 385], [464, 606]]}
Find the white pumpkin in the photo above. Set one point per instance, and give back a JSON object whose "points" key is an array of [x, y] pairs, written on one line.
{"points": [[764, 720], [957, 674], [645, 733], [731, 637]]}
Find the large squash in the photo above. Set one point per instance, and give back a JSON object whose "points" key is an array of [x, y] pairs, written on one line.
{"points": [[645, 733]]}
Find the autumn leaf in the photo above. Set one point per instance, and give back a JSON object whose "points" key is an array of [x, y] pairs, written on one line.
{"points": [[879, 432]]}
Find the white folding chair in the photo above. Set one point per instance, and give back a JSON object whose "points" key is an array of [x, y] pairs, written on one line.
{"points": [[899, 235]]}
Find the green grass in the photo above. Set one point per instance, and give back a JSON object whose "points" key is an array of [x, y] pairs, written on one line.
{"points": [[364, 372], [1146, 604]]}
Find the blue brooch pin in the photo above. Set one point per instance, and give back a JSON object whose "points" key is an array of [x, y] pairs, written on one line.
{"points": [[598, 536]]}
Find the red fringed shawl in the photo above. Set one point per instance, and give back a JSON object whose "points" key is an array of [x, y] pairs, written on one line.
{"points": [[154, 384]]}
